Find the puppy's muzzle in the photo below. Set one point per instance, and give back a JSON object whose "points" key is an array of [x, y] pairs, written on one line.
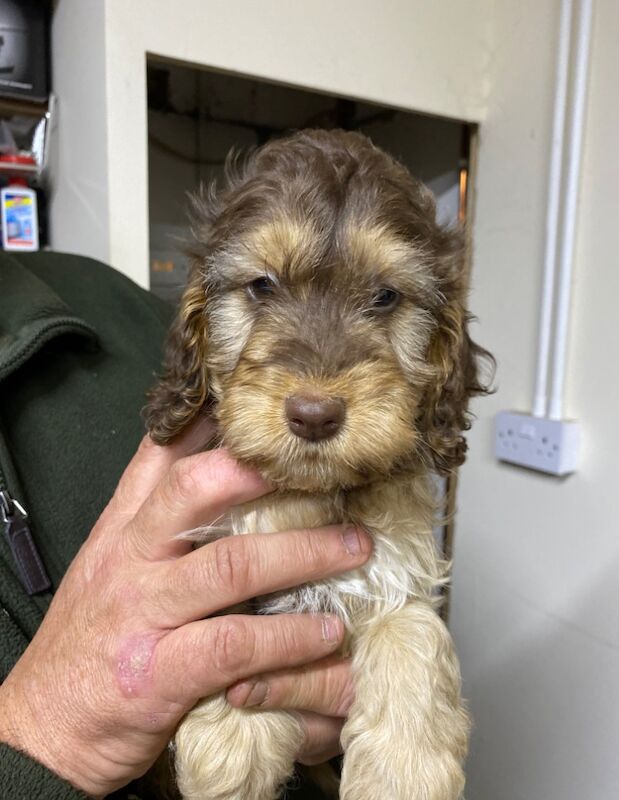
{"points": [[315, 418]]}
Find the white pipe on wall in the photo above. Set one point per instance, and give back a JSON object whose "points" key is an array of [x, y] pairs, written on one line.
{"points": [[576, 126], [540, 402]]}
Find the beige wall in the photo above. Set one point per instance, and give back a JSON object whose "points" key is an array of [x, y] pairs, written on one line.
{"points": [[536, 581]]}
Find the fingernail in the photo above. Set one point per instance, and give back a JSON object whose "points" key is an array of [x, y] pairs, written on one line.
{"points": [[256, 692], [331, 629], [352, 541]]}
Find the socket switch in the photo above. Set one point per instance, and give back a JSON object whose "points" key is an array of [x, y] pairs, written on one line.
{"points": [[546, 445]]}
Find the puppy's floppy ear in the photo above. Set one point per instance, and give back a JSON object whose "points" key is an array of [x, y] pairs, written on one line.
{"points": [[455, 363], [183, 387]]}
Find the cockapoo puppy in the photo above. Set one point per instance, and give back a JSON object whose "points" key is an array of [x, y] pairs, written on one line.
{"points": [[324, 329]]}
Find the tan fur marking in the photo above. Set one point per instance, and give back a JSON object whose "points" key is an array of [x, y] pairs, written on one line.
{"points": [[378, 252], [290, 248], [375, 434]]}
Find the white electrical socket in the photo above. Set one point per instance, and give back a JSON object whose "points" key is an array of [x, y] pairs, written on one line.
{"points": [[538, 443]]}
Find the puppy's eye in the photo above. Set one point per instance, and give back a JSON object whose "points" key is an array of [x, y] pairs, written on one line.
{"points": [[260, 288], [385, 300]]}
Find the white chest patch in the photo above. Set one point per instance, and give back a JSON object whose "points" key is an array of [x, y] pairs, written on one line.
{"points": [[403, 565]]}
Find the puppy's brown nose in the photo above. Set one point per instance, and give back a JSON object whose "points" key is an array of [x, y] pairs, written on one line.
{"points": [[315, 418]]}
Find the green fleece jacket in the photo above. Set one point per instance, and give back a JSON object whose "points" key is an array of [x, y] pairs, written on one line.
{"points": [[79, 346]]}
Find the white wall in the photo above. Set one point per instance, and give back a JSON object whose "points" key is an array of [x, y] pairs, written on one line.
{"points": [[79, 200], [536, 585], [436, 55]]}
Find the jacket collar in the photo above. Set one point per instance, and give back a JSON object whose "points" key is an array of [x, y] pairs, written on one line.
{"points": [[31, 315]]}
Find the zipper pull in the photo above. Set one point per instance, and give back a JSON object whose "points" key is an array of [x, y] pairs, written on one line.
{"points": [[14, 522]]}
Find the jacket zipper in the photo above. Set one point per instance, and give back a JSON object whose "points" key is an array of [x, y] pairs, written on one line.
{"points": [[14, 523], [13, 517]]}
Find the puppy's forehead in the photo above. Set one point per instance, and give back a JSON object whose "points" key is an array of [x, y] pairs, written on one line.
{"points": [[376, 245], [288, 247], [296, 248], [377, 253]]}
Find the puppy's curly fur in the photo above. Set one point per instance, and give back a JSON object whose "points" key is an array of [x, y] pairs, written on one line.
{"points": [[319, 271]]}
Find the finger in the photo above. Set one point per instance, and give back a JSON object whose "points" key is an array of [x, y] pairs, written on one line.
{"points": [[325, 687], [212, 654], [151, 462], [322, 738], [196, 490], [231, 570]]}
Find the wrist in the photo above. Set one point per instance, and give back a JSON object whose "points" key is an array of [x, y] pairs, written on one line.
{"points": [[11, 724], [44, 741]]}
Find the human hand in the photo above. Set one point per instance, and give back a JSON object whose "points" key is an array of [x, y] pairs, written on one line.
{"points": [[321, 692], [125, 650]]}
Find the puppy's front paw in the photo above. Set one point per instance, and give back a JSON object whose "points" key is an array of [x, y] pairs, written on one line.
{"points": [[395, 771], [407, 731], [224, 753]]}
